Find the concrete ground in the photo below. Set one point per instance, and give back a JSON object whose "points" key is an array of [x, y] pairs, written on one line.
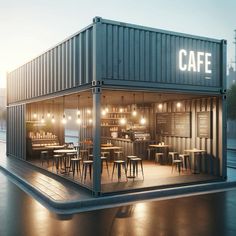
{"points": [[200, 215]]}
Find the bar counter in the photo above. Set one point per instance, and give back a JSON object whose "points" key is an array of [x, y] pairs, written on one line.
{"points": [[138, 147]]}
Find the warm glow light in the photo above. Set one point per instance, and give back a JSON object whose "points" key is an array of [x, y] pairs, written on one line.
{"points": [[103, 112], [121, 109], [90, 120], [69, 117], [178, 104], [64, 120], [42, 120], [89, 111], [160, 106], [53, 119], [142, 121], [122, 121], [78, 112], [134, 113], [79, 121], [106, 109], [35, 115], [48, 115]]}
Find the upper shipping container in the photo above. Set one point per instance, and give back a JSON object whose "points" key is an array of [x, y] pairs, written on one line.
{"points": [[119, 53]]}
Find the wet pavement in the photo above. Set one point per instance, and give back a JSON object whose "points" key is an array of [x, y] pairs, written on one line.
{"points": [[208, 214]]}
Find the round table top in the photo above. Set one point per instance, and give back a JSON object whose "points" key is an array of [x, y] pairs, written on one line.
{"points": [[65, 151], [111, 148]]}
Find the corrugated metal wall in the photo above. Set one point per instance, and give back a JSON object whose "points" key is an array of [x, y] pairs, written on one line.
{"points": [[212, 146], [16, 134], [145, 55], [63, 67]]}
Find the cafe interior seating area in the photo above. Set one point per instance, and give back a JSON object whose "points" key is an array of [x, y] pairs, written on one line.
{"points": [[147, 139]]}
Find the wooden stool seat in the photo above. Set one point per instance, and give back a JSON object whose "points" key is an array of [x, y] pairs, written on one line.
{"points": [[75, 162]]}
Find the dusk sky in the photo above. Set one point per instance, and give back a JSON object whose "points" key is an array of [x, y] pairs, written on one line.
{"points": [[30, 27]]}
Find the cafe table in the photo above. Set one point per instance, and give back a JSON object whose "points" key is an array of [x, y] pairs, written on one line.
{"points": [[65, 153], [160, 146], [196, 155], [111, 149]]}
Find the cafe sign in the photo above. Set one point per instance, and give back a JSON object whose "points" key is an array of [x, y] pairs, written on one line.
{"points": [[195, 61]]}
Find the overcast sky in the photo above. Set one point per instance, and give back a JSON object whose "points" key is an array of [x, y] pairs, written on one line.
{"points": [[29, 27]]}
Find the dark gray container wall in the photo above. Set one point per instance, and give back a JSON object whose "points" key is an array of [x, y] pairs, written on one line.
{"points": [[140, 54], [65, 66], [16, 133]]}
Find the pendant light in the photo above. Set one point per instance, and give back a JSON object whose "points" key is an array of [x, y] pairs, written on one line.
{"points": [[42, 118], [123, 119], [143, 120], [53, 119], [64, 115], [79, 121], [48, 114], [134, 112]]}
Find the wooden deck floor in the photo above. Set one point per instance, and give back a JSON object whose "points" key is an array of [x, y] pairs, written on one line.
{"points": [[155, 176]]}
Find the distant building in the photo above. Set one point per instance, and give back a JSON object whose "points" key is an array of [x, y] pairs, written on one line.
{"points": [[231, 78]]}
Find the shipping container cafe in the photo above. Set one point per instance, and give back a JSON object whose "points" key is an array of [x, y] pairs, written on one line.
{"points": [[121, 107]]}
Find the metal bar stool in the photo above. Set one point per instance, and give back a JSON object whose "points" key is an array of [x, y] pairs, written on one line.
{"points": [[44, 156], [117, 165], [186, 160], [159, 157], [56, 161], [134, 163], [75, 162], [87, 164], [104, 159]]}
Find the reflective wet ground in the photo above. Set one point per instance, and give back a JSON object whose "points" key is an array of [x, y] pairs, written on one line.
{"points": [[211, 214]]}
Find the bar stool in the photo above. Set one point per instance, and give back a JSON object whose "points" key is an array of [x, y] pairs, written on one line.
{"points": [[173, 156], [117, 165], [56, 161], [134, 162], [159, 157], [176, 162], [186, 160], [104, 159], [87, 164], [44, 156], [128, 160], [75, 162]]}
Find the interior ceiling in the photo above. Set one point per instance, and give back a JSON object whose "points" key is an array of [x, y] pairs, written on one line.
{"points": [[114, 97]]}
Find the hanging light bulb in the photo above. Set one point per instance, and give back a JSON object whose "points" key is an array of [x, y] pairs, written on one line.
{"points": [[69, 117], [53, 119], [103, 112], [142, 120], [160, 106], [106, 109], [42, 119], [134, 112], [64, 119], [48, 114], [35, 115], [79, 121], [89, 111], [90, 121], [178, 104], [78, 112]]}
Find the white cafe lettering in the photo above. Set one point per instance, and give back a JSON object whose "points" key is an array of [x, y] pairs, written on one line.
{"points": [[194, 61]]}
